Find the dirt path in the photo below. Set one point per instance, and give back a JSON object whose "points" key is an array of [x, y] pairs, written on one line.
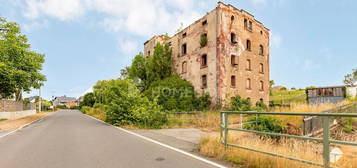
{"points": [[14, 124]]}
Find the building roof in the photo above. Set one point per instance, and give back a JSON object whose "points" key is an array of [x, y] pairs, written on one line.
{"points": [[65, 99]]}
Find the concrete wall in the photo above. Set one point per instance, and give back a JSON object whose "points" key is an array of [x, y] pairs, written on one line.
{"points": [[317, 100], [16, 114]]}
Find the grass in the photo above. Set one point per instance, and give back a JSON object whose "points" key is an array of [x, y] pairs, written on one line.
{"points": [[211, 147], [98, 113], [3, 119], [288, 96]]}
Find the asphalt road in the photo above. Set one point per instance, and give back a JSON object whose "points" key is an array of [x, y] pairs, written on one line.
{"points": [[69, 139]]}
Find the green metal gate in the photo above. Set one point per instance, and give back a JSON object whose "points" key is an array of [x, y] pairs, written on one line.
{"points": [[325, 140]]}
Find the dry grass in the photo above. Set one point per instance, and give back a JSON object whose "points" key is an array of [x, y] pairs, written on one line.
{"points": [[16, 123], [98, 113], [211, 147]]}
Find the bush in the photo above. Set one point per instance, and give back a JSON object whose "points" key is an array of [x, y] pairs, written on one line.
{"points": [[61, 106], [124, 105], [240, 104], [265, 124], [203, 40], [75, 107], [85, 109], [203, 102], [260, 106]]}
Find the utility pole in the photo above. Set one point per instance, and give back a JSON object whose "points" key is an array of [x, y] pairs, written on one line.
{"points": [[39, 100]]}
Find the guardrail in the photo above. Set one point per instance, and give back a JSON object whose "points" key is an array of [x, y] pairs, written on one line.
{"points": [[325, 140]]}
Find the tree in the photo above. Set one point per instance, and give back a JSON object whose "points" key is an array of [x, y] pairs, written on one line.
{"points": [[158, 66], [19, 65], [271, 83], [351, 79], [240, 104], [88, 100]]}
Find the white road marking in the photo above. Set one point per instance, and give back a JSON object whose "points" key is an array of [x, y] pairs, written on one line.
{"points": [[164, 145]]}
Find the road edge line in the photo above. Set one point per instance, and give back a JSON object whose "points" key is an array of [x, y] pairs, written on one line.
{"points": [[23, 126], [163, 145]]}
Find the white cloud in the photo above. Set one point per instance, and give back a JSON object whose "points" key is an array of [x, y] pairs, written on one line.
{"points": [[259, 2], [35, 25], [275, 40], [128, 46]]}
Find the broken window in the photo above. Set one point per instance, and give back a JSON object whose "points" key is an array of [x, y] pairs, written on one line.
{"points": [[184, 35], [261, 100], [149, 52], [233, 81], [249, 45], [184, 49], [204, 81], [204, 60], [232, 18], [261, 50], [233, 38], [261, 68], [261, 85], [184, 67], [204, 22], [245, 24], [250, 25], [248, 84], [234, 60], [248, 66], [203, 40]]}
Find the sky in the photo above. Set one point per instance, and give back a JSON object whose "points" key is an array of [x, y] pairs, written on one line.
{"points": [[313, 42]]}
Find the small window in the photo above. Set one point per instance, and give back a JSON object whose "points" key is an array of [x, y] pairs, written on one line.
{"points": [[261, 85], [261, 68], [249, 45], [184, 67], [169, 43], [233, 38], [261, 100], [249, 86], [149, 52], [261, 50], [233, 81], [261, 32], [248, 98], [204, 60], [232, 18], [184, 49], [234, 60], [204, 81], [204, 22], [203, 40], [250, 25], [248, 66], [184, 35], [245, 23]]}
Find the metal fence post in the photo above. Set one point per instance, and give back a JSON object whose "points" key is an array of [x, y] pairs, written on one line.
{"points": [[225, 117], [241, 120], [326, 141]]}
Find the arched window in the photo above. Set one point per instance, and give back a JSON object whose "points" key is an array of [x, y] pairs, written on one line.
{"points": [[261, 50], [249, 86], [232, 18], [248, 66], [233, 38], [204, 60], [184, 67], [233, 81], [249, 45], [204, 81], [234, 60], [261, 68], [261, 85]]}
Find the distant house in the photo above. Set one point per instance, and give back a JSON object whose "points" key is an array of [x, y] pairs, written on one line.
{"points": [[32, 99], [332, 94], [64, 100]]}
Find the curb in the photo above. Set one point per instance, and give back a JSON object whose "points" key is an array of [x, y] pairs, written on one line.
{"points": [[24, 126], [163, 145]]}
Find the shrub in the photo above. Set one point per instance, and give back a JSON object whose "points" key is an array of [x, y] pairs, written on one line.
{"points": [[203, 40], [265, 124], [173, 94], [85, 109], [203, 102], [260, 106], [61, 106], [75, 107], [240, 104]]}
